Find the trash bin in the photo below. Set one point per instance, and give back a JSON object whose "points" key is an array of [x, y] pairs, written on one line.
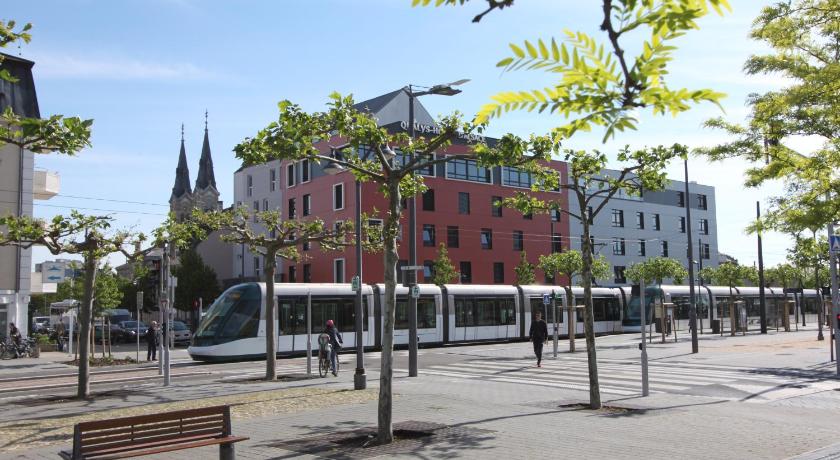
{"points": [[715, 326]]}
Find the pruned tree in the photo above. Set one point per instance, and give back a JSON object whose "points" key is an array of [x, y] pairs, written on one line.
{"points": [[524, 271], [88, 236], [365, 149], [443, 272], [270, 238]]}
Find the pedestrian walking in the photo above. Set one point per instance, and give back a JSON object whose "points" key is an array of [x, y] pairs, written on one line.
{"points": [[59, 335], [539, 334], [152, 341]]}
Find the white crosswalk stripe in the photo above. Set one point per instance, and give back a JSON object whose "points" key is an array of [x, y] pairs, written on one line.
{"points": [[623, 377]]}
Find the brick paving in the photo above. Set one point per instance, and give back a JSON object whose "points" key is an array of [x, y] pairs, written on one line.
{"points": [[515, 418]]}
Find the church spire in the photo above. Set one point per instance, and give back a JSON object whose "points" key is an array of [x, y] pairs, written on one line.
{"points": [[182, 173], [206, 177]]}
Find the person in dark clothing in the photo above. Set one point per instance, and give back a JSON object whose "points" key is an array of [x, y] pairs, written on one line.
{"points": [[335, 344], [152, 341], [539, 334]]}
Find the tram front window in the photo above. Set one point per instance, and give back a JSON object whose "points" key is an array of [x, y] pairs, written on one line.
{"points": [[234, 315], [632, 313]]}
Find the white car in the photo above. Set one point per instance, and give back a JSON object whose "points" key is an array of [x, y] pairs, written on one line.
{"points": [[180, 333]]}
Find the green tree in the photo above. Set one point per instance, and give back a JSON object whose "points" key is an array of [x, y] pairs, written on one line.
{"points": [[270, 238], [569, 265], [195, 279], [524, 271], [443, 272], [367, 155], [730, 275], [8, 35], [604, 86], [88, 236], [803, 37], [656, 270]]}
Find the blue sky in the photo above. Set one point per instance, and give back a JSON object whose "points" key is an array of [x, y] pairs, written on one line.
{"points": [[141, 68]]}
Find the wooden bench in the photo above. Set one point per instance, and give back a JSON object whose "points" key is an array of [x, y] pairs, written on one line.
{"points": [[152, 434]]}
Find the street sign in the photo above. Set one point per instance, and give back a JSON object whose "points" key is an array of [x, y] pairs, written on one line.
{"points": [[834, 243], [415, 292], [546, 299], [411, 267], [354, 283]]}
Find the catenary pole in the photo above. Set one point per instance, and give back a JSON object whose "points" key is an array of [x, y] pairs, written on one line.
{"points": [[412, 256], [835, 296], [692, 309], [359, 378], [762, 298], [643, 326], [308, 333]]}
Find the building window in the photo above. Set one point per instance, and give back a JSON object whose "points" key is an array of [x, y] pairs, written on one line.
{"points": [[528, 216], [702, 202], [429, 200], [704, 226], [292, 210], [338, 270], [617, 218], [555, 215], [307, 204], [429, 235], [556, 243], [642, 248], [452, 237], [590, 217], [290, 175], [292, 274], [682, 224], [307, 273], [307, 245], [486, 238], [496, 206], [463, 203], [498, 272], [619, 274], [257, 266], [466, 272], [704, 251], [338, 197], [681, 199], [305, 171], [518, 240], [428, 270], [656, 223], [256, 210], [265, 205], [272, 234], [250, 181], [468, 170], [664, 249], [272, 179], [618, 247], [640, 220], [515, 177]]}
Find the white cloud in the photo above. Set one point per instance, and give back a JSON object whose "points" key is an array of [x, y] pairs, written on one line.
{"points": [[114, 68]]}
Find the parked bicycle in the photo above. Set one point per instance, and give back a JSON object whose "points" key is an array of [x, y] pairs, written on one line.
{"points": [[10, 350]]}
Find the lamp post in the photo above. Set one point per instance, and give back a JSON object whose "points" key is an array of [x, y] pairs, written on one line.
{"points": [[332, 168], [441, 90], [692, 308], [762, 300]]}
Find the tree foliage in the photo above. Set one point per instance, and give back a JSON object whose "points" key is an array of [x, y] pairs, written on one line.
{"points": [[599, 84], [730, 274], [8, 35], [443, 272], [803, 37], [569, 264], [195, 279], [524, 271], [656, 269]]}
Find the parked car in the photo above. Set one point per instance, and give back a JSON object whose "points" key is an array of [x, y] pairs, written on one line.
{"points": [[40, 324], [180, 333], [117, 333], [130, 330]]}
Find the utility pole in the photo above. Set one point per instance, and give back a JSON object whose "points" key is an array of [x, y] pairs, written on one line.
{"points": [[691, 298], [359, 378], [643, 345], [554, 317], [412, 256], [762, 299], [835, 295]]}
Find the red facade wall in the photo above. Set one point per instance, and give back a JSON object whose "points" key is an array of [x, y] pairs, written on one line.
{"points": [[536, 232]]}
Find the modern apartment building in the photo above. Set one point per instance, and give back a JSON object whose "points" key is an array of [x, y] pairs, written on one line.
{"points": [[20, 184], [630, 229]]}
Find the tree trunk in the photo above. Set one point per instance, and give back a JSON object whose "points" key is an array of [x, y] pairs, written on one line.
{"points": [[385, 431], [85, 310], [588, 315], [270, 320], [570, 315]]}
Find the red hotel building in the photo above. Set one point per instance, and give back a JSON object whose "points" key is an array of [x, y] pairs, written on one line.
{"points": [[484, 242]]}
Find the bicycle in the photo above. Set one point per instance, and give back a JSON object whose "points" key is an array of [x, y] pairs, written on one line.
{"points": [[324, 359]]}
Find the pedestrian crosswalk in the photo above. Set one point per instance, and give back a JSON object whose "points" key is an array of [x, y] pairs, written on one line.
{"points": [[622, 377]]}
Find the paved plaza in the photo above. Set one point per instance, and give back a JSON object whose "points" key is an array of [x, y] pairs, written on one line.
{"points": [[773, 396]]}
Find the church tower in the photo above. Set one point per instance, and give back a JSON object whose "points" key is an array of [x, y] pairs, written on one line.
{"points": [[206, 196], [181, 199]]}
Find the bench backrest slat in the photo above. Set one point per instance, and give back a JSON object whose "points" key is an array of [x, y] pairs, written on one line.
{"points": [[214, 429], [152, 418], [140, 429]]}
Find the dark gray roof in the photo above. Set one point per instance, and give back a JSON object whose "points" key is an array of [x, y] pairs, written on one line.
{"points": [[393, 107], [182, 175], [376, 104], [206, 177], [20, 96]]}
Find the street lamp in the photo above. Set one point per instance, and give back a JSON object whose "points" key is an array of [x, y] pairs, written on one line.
{"points": [[441, 90]]}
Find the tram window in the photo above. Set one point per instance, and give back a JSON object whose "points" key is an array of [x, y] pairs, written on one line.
{"points": [[244, 318], [538, 306], [425, 313], [339, 309], [507, 312], [464, 313], [486, 312]]}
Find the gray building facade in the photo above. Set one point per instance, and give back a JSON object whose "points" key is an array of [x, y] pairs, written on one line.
{"points": [[630, 229]]}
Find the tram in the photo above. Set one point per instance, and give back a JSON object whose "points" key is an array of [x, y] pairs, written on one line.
{"points": [[234, 325]]}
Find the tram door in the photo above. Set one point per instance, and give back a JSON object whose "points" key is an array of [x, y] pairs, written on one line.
{"points": [[289, 322]]}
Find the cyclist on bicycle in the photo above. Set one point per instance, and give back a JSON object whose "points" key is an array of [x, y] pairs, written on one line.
{"points": [[14, 334], [335, 344]]}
